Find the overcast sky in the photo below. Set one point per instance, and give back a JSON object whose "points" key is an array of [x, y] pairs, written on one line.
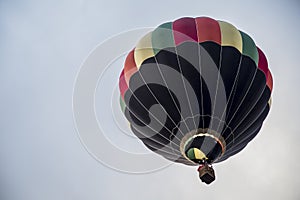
{"points": [[44, 43]]}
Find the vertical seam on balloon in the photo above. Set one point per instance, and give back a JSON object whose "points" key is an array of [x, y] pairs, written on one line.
{"points": [[241, 102], [217, 85], [161, 74], [136, 69], [231, 133], [232, 92], [183, 81], [200, 77]]}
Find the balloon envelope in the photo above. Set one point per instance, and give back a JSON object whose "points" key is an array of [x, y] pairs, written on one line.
{"points": [[196, 90]]}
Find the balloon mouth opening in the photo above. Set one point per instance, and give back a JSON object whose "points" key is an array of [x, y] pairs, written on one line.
{"points": [[202, 147]]}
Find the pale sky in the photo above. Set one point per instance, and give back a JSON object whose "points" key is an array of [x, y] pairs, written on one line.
{"points": [[44, 43]]}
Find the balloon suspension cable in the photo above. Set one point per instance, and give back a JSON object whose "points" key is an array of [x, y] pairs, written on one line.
{"points": [[206, 173]]}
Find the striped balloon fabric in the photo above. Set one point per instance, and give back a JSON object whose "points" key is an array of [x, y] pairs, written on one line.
{"points": [[196, 90]]}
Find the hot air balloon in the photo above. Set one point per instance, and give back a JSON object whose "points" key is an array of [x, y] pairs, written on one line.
{"points": [[196, 91]]}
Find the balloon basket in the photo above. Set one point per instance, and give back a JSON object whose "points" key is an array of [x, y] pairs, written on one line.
{"points": [[206, 173]]}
